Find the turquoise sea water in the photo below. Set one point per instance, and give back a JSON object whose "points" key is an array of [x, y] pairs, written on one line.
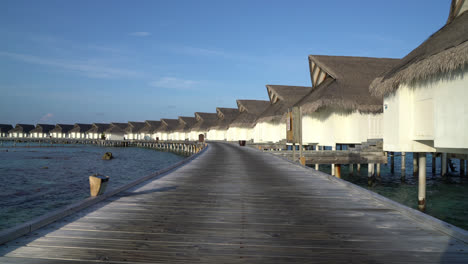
{"points": [[35, 180], [447, 198]]}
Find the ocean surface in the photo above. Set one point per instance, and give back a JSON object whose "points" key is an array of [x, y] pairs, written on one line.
{"points": [[446, 198], [36, 180]]}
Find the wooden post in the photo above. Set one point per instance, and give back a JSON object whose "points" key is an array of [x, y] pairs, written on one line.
{"points": [[433, 163], [317, 148], [462, 167], [422, 182], [378, 170], [392, 162], [443, 162], [351, 169], [303, 161], [370, 174], [403, 165], [358, 168], [333, 165], [415, 163], [294, 152], [338, 170]]}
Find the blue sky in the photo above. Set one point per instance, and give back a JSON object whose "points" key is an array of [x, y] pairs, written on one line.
{"points": [[118, 61]]}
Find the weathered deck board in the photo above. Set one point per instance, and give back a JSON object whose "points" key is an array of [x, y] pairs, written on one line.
{"points": [[238, 205]]}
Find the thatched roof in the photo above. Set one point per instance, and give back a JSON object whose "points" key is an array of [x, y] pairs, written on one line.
{"points": [[443, 52], [42, 128], [99, 128], [61, 128], [120, 125], [4, 128], [225, 117], [134, 127], [22, 128], [204, 121], [167, 125], [346, 85], [249, 110], [282, 97], [185, 123], [150, 126], [80, 128], [114, 130]]}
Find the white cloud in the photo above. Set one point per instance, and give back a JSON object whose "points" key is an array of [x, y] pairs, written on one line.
{"points": [[174, 83], [90, 69], [46, 117], [140, 34]]}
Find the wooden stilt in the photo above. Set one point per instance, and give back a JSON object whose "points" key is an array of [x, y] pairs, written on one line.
{"points": [[422, 182], [351, 169], [338, 170], [333, 165], [317, 148], [433, 163], [392, 162], [370, 174], [358, 168], [443, 161], [378, 170]]}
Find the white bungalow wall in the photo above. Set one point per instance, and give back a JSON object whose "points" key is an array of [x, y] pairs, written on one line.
{"points": [[239, 133], [269, 132], [428, 116], [328, 127], [215, 134]]}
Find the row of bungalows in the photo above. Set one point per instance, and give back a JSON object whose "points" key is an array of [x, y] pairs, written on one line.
{"points": [[132, 131], [165, 129], [242, 126], [182, 131], [204, 122], [225, 116]]}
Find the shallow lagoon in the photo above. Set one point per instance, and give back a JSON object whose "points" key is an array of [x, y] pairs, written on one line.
{"points": [[35, 180]]}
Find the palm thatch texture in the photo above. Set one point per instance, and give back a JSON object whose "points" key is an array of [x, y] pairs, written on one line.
{"points": [[81, 128], [345, 85], [167, 125], [150, 126], [249, 111], [225, 117], [22, 128], [4, 128], [98, 128], [442, 53], [42, 128], [62, 128], [185, 123], [122, 126], [205, 121], [282, 97], [134, 127]]}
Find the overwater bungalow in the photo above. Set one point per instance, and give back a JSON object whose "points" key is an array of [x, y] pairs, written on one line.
{"points": [[165, 128], [79, 130], [20, 131], [61, 131], [242, 127], [425, 95], [271, 124], [147, 132], [4, 128], [225, 117], [132, 130], [97, 131], [181, 132], [116, 131], [203, 124], [340, 109], [41, 131]]}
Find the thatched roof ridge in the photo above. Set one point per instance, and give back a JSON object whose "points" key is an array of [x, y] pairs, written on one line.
{"points": [[249, 110], [185, 123], [113, 129], [81, 128], [134, 127], [99, 128], [22, 128], [204, 121], [61, 128], [150, 126], [282, 97], [120, 125], [443, 52], [347, 87], [42, 128], [225, 117], [167, 125], [5, 128]]}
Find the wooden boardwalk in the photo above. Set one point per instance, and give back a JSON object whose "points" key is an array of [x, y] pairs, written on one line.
{"points": [[238, 205]]}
